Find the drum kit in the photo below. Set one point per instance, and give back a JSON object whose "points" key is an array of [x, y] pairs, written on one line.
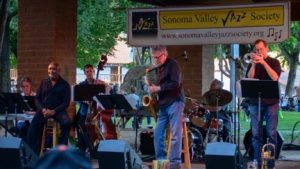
{"points": [[202, 117]]}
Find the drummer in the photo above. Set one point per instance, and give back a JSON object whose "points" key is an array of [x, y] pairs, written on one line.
{"points": [[222, 112]]}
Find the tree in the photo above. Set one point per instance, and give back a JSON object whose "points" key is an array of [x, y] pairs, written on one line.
{"points": [[5, 46], [290, 50], [3, 20], [99, 24]]}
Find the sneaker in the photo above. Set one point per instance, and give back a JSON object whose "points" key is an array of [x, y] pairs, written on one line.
{"points": [[252, 165]]}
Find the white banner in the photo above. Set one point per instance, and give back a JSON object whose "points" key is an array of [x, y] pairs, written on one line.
{"points": [[235, 24]]}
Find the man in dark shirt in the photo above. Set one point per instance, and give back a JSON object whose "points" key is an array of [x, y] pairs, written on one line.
{"points": [[263, 67], [52, 101], [170, 100]]}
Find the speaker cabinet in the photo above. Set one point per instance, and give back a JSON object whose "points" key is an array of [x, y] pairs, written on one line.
{"points": [[117, 154], [222, 155], [15, 153]]}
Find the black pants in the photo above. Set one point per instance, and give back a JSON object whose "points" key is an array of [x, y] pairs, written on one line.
{"points": [[35, 131]]}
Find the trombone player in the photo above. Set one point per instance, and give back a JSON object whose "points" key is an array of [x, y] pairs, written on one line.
{"points": [[263, 67], [171, 104]]}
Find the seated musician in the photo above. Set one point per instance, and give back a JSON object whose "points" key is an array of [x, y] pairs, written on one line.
{"points": [[89, 72], [222, 112], [23, 125], [52, 101]]}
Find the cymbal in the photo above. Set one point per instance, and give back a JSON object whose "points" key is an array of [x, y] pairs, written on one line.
{"points": [[221, 96]]}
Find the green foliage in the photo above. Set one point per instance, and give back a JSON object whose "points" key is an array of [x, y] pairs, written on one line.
{"points": [[290, 47], [99, 24], [13, 31], [285, 124]]}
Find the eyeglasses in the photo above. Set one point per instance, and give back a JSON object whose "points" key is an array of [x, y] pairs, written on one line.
{"points": [[157, 57]]}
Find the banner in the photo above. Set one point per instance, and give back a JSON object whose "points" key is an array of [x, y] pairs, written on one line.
{"points": [[235, 24]]}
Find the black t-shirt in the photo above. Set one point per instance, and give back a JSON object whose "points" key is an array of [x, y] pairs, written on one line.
{"points": [[261, 74]]}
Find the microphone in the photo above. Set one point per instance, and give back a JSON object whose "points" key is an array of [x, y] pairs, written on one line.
{"points": [[185, 56]]}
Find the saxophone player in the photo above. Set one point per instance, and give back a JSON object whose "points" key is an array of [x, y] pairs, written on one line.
{"points": [[171, 104]]}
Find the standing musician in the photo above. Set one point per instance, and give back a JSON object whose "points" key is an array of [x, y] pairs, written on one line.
{"points": [[52, 101], [171, 105], [89, 72], [263, 67]]}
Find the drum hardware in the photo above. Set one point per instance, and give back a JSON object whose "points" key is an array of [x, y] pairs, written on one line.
{"points": [[215, 99], [216, 124], [195, 142], [197, 116]]}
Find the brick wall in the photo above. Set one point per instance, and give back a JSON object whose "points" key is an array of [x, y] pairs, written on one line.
{"points": [[194, 77], [47, 32]]}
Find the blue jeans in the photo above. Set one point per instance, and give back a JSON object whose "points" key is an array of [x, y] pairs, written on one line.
{"points": [[169, 116], [269, 113], [298, 105]]}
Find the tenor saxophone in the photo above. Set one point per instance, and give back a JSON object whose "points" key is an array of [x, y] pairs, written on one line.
{"points": [[151, 99]]}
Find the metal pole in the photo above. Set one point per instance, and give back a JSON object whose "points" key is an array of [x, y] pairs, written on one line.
{"points": [[234, 55]]}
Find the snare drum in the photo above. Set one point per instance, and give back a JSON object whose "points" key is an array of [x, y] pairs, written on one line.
{"points": [[216, 124]]}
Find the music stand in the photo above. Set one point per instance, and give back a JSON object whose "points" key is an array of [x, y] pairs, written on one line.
{"points": [[260, 89], [86, 92], [30, 102], [113, 101], [14, 103], [2, 105]]}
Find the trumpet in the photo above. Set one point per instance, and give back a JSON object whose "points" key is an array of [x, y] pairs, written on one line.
{"points": [[248, 56], [267, 154]]}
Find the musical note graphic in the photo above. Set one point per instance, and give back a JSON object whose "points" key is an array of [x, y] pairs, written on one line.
{"points": [[271, 34], [276, 33], [280, 34]]}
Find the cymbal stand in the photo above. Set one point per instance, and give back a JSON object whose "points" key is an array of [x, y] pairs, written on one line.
{"points": [[211, 118], [217, 104]]}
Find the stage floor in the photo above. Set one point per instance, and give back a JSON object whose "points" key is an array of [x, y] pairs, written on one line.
{"points": [[288, 160]]}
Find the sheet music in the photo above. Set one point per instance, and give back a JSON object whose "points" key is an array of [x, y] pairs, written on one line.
{"points": [[254, 79], [98, 103], [132, 101]]}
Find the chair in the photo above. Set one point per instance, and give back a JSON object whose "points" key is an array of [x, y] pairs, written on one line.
{"points": [[52, 127], [185, 151]]}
